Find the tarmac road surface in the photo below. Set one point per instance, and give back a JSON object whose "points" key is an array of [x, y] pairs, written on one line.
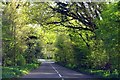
{"points": [[52, 71]]}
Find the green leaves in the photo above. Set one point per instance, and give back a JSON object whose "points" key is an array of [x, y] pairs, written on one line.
{"points": [[108, 31], [17, 71], [68, 32]]}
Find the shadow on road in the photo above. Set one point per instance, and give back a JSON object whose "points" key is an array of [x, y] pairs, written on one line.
{"points": [[49, 70]]}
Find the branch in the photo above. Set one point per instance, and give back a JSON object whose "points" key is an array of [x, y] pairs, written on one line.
{"points": [[76, 16], [79, 28], [59, 22], [84, 41]]}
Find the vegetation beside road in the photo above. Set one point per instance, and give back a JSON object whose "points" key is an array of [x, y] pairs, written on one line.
{"points": [[79, 35], [18, 71]]}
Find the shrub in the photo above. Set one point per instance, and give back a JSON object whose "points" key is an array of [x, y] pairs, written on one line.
{"points": [[17, 71]]}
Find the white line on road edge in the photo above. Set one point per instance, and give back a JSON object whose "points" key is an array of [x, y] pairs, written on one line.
{"points": [[57, 72]]}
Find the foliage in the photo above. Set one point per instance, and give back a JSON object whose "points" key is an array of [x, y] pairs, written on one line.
{"points": [[101, 73], [15, 44], [103, 50], [64, 47], [77, 35], [82, 13], [108, 34], [17, 71]]}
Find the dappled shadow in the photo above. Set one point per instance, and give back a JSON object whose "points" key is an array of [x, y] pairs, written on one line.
{"points": [[49, 69]]}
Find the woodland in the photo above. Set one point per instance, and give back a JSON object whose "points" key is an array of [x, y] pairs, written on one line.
{"points": [[82, 36]]}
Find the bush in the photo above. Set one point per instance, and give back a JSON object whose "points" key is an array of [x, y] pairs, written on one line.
{"points": [[9, 72], [21, 60], [17, 71]]}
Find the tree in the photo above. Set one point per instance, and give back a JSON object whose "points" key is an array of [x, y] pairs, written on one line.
{"points": [[108, 34]]}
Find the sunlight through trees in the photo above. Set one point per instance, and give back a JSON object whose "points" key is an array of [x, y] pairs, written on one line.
{"points": [[79, 35]]}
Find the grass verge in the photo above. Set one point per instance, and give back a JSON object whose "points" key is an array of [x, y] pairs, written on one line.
{"points": [[96, 72], [17, 71]]}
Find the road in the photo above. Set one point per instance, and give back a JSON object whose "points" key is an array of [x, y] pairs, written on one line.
{"points": [[52, 71]]}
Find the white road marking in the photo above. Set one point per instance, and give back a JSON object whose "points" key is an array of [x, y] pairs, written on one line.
{"points": [[60, 75], [57, 72]]}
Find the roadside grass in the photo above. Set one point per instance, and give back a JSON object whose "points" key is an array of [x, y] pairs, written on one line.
{"points": [[101, 73], [17, 71], [96, 72]]}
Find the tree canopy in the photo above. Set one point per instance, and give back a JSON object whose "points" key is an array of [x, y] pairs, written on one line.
{"points": [[78, 35]]}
